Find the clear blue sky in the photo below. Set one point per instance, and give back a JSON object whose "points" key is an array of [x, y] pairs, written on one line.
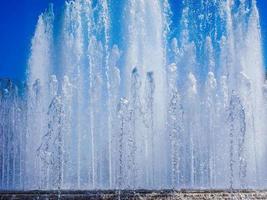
{"points": [[17, 23]]}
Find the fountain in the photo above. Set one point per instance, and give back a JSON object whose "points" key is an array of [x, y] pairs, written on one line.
{"points": [[159, 104]]}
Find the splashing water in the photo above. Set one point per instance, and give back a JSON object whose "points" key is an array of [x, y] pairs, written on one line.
{"points": [[160, 109]]}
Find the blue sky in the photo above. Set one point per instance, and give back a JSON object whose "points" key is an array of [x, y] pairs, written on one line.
{"points": [[17, 23]]}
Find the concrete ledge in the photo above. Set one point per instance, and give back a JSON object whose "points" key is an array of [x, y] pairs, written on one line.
{"points": [[138, 194]]}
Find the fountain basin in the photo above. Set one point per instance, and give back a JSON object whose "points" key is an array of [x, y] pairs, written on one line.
{"points": [[136, 194]]}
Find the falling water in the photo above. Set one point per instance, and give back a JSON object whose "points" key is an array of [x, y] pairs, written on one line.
{"points": [[157, 104]]}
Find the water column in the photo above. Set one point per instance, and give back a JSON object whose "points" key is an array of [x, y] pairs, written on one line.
{"points": [[146, 51], [38, 97], [187, 67], [175, 126], [66, 98], [226, 84], [190, 141], [113, 99], [149, 123], [226, 81], [100, 93], [123, 159], [209, 108], [244, 77], [12, 146], [6, 131], [254, 57], [72, 53], [136, 123], [211, 123], [19, 118], [82, 62]]}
